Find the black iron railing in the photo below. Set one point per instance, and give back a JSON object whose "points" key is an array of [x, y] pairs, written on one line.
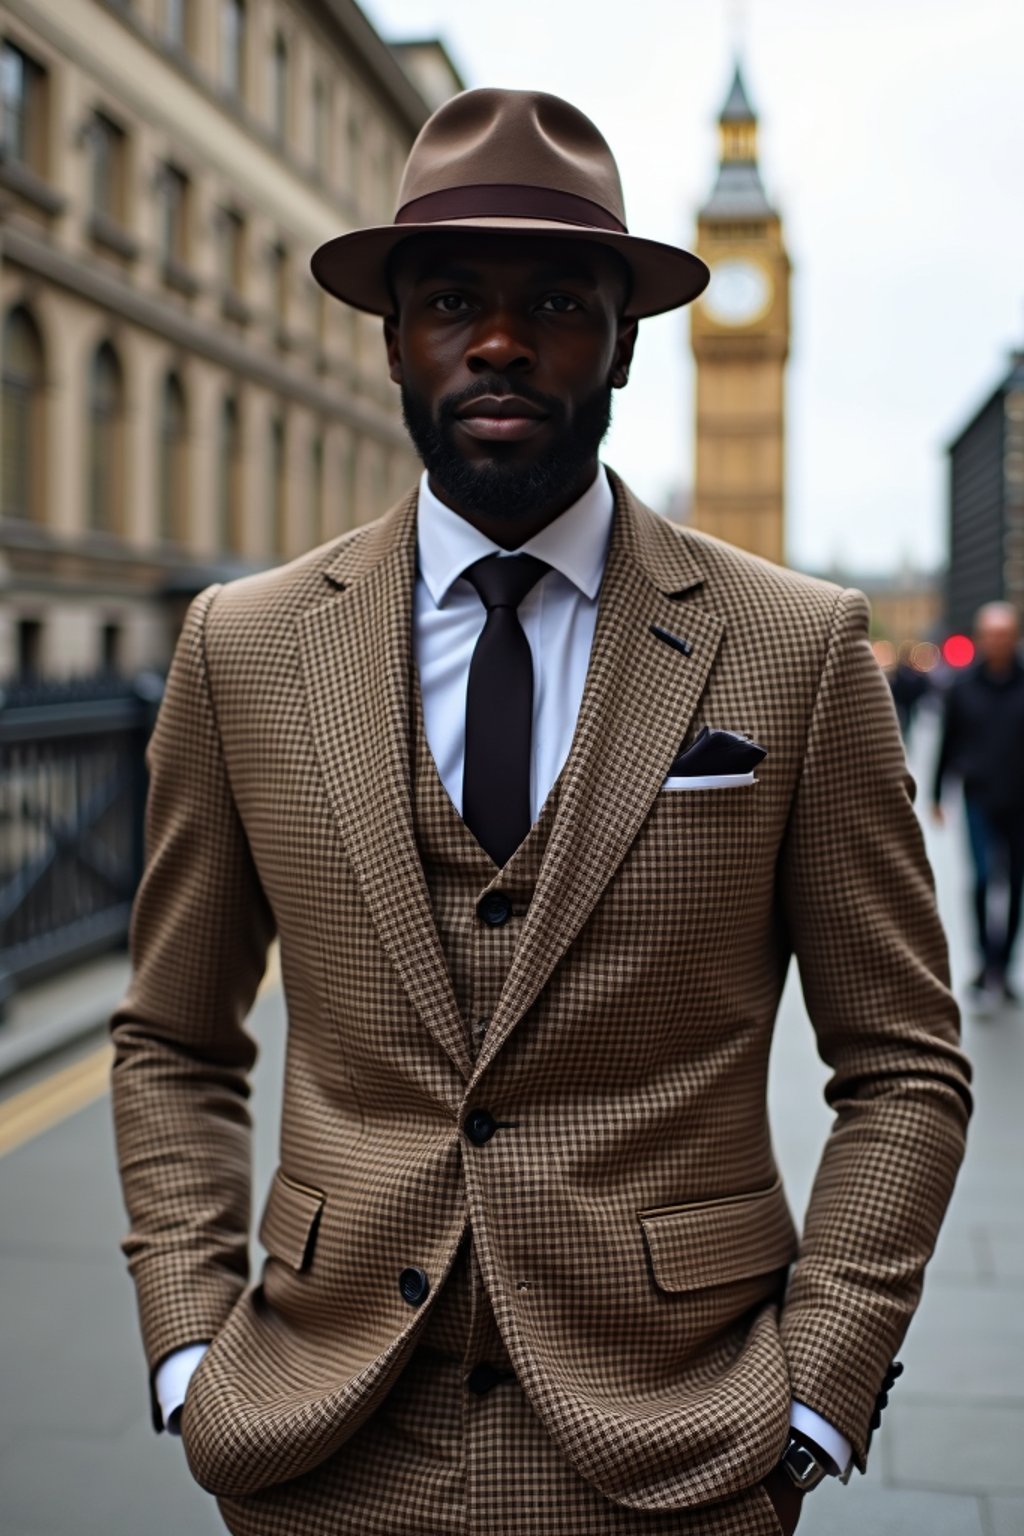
{"points": [[72, 798]]}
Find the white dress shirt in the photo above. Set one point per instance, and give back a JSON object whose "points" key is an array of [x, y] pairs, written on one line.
{"points": [[558, 616]]}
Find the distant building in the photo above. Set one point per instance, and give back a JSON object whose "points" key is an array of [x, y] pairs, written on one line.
{"points": [[180, 402], [429, 65], [739, 330], [986, 504]]}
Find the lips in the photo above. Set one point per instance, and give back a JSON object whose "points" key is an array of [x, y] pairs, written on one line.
{"points": [[501, 418]]}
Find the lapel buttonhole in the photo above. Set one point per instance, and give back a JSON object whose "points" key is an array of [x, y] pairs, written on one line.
{"points": [[675, 641]]}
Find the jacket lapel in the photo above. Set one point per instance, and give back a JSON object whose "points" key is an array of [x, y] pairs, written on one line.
{"points": [[640, 696], [355, 650]]}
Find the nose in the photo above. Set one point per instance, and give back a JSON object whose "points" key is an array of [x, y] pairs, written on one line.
{"points": [[500, 345]]}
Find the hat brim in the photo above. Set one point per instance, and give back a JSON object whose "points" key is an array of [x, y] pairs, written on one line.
{"points": [[354, 267]]}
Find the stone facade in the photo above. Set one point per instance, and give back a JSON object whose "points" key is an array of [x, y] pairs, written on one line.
{"points": [[181, 403]]}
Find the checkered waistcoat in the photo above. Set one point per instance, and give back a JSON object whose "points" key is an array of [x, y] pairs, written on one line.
{"points": [[627, 1219]]}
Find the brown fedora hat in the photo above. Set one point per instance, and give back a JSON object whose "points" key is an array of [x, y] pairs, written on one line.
{"points": [[509, 162]]}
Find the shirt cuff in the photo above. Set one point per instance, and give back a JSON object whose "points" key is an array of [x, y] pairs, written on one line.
{"points": [[822, 1433], [172, 1379]]}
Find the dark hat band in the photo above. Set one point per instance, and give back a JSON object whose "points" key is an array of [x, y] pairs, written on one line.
{"points": [[507, 200]]}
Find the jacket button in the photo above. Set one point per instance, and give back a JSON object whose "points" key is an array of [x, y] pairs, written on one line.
{"points": [[494, 908], [414, 1285], [480, 1126]]}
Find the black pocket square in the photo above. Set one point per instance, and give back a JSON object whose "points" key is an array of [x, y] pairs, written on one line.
{"points": [[717, 752]]}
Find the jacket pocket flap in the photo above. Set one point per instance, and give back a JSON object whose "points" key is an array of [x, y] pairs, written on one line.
{"points": [[290, 1219], [716, 1241]]}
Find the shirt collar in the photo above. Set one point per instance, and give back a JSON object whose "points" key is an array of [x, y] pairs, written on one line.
{"points": [[575, 544]]}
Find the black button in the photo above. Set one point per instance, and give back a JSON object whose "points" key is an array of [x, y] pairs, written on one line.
{"points": [[414, 1285], [480, 1126], [494, 908], [483, 1377]]}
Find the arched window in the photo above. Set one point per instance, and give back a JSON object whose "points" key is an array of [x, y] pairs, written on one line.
{"points": [[279, 86], [172, 462], [22, 415], [176, 23], [278, 531], [229, 530], [232, 46], [321, 125], [106, 440]]}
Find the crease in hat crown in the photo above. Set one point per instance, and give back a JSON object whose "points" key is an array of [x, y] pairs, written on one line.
{"points": [[500, 138], [504, 162]]}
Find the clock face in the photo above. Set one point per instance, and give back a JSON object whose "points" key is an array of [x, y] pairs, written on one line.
{"points": [[739, 292]]}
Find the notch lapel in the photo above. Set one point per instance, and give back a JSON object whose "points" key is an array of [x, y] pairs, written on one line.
{"points": [[356, 658], [639, 698]]}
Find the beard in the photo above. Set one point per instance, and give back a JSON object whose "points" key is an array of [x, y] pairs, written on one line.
{"points": [[507, 490]]}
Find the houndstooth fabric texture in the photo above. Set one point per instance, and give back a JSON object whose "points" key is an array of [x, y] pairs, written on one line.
{"points": [[437, 1458], [628, 1222]]}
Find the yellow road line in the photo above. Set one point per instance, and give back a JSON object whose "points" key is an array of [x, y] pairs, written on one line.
{"points": [[34, 1110]]}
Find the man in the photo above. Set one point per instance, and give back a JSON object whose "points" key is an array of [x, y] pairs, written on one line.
{"points": [[983, 745], [538, 834]]}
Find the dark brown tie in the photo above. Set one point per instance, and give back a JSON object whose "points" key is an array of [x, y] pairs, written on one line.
{"points": [[499, 708]]}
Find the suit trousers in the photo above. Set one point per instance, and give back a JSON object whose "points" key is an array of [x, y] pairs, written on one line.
{"points": [[441, 1457]]}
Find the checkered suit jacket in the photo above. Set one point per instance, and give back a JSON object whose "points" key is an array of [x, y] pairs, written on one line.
{"points": [[632, 1233]]}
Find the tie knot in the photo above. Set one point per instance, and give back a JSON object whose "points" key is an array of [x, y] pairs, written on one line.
{"points": [[502, 581]]}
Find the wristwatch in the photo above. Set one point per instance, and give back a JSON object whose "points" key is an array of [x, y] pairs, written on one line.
{"points": [[803, 1467]]}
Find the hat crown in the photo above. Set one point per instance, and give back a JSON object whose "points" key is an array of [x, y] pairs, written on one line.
{"points": [[494, 137]]}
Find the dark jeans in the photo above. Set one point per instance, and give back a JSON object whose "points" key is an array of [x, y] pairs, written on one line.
{"points": [[997, 853]]}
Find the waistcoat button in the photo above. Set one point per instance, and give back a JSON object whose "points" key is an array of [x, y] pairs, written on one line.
{"points": [[494, 908], [414, 1286]]}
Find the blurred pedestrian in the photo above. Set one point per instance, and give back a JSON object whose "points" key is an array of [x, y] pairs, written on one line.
{"points": [[983, 746], [909, 685]]}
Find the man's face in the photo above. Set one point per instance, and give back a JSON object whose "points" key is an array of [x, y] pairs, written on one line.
{"points": [[506, 351], [997, 635]]}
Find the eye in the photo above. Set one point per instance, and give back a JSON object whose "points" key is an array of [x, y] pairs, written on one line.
{"points": [[560, 304], [449, 303]]}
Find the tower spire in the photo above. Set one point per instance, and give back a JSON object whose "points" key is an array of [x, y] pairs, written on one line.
{"points": [[738, 190], [737, 107]]}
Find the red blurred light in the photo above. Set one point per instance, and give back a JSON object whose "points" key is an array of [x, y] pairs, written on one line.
{"points": [[958, 650]]}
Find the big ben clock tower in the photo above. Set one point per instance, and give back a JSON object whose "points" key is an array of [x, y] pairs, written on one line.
{"points": [[740, 336]]}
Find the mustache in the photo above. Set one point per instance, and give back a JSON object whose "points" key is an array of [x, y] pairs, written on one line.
{"points": [[499, 388]]}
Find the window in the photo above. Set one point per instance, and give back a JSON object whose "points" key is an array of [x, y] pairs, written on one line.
{"points": [[321, 125], [279, 86], [106, 436], [176, 23], [172, 490], [316, 486], [232, 46], [174, 186], [228, 477], [355, 149], [321, 312], [109, 166], [110, 647], [279, 277], [278, 498], [232, 273], [29, 654], [23, 95], [21, 415]]}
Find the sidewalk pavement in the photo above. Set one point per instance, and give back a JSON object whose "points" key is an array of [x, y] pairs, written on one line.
{"points": [[53, 1015], [76, 1450]]}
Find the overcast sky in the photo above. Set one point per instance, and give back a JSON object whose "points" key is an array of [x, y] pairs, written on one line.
{"points": [[892, 142]]}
